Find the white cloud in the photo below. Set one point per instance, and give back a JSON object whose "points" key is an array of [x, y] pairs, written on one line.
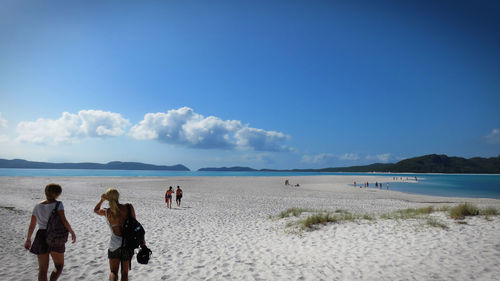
{"points": [[3, 122], [349, 156], [494, 136], [384, 158], [185, 127], [71, 127], [4, 139], [319, 158], [262, 140], [325, 158]]}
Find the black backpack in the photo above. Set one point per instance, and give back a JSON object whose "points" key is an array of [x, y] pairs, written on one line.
{"points": [[132, 232]]}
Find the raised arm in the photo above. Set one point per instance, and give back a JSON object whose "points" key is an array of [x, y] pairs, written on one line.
{"points": [[31, 228], [66, 224], [97, 208]]}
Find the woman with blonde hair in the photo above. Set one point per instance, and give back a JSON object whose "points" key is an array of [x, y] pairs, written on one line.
{"points": [[116, 215], [40, 216]]}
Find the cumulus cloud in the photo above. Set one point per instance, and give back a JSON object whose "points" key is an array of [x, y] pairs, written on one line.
{"points": [[3, 122], [262, 140], [384, 158], [183, 126], [494, 136], [71, 127]]}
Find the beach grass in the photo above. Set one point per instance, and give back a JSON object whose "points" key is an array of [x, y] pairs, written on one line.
{"points": [[410, 213], [322, 218], [463, 210], [317, 218], [436, 223], [489, 211], [293, 212]]}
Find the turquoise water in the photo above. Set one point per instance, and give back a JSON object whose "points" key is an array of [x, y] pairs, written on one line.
{"points": [[478, 186]]}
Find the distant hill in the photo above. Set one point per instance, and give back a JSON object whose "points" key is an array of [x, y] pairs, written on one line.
{"points": [[115, 165], [432, 163], [228, 169]]}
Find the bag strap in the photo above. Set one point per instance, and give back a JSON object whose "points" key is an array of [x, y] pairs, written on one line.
{"points": [[123, 240], [54, 211]]}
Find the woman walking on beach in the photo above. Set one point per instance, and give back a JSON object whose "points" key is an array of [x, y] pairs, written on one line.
{"points": [[116, 215], [40, 216], [168, 197]]}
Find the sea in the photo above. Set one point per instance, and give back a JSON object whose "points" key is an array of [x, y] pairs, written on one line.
{"points": [[447, 185]]}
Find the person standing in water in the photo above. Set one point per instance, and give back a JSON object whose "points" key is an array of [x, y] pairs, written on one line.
{"points": [[40, 216], [168, 197], [178, 196]]}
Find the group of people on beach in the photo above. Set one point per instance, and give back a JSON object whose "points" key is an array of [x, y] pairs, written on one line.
{"points": [[377, 185], [116, 215], [168, 196]]}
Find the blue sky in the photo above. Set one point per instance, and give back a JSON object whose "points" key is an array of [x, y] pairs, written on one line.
{"points": [[266, 84]]}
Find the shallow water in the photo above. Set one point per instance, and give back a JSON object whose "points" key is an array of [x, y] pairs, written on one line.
{"points": [[448, 185]]}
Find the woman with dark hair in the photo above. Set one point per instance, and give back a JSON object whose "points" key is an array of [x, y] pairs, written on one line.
{"points": [[39, 247], [116, 215], [168, 197]]}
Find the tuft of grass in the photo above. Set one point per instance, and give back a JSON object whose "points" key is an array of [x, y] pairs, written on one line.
{"points": [[315, 220], [292, 212], [368, 217], [462, 222], [489, 211], [436, 223], [463, 210], [410, 213], [445, 208]]}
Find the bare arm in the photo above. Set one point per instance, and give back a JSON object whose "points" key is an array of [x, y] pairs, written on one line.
{"points": [[66, 224], [97, 208], [31, 228], [132, 211]]}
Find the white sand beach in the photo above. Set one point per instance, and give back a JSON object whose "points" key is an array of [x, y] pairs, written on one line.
{"points": [[223, 231]]}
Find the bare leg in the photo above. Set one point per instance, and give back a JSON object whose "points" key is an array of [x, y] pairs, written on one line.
{"points": [[114, 265], [43, 266], [124, 270], [58, 259]]}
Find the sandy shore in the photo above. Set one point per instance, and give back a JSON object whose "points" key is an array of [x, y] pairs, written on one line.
{"points": [[223, 231]]}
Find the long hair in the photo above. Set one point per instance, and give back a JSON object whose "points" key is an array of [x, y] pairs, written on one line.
{"points": [[112, 196]]}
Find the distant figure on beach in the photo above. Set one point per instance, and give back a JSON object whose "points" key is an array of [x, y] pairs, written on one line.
{"points": [[376, 184], [387, 186], [416, 178], [287, 182], [354, 183], [168, 197], [116, 215], [40, 216], [178, 196]]}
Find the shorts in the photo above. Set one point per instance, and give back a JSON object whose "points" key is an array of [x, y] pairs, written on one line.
{"points": [[122, 254], [178, 197], [169, 196], [40, 247]]}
